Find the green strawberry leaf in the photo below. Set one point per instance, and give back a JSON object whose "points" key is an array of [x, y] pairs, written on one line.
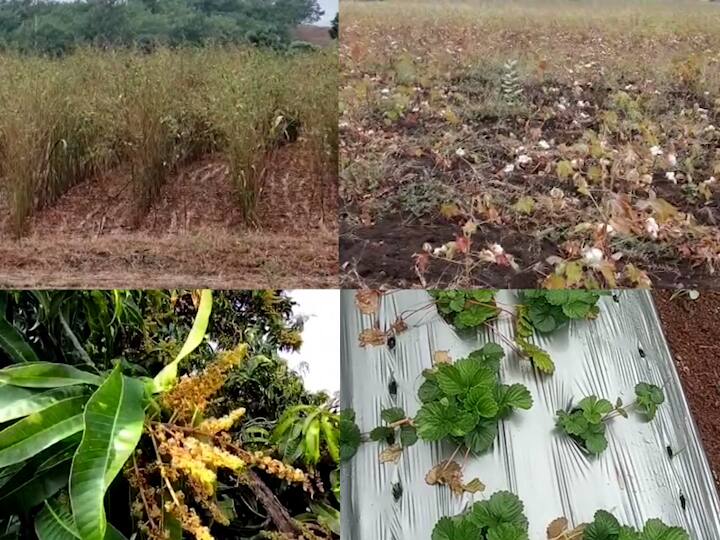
{"points": [[393, 414], [481, 438], [408, 435], [513, 396]]}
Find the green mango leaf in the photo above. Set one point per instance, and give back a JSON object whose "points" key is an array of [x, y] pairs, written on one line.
{"points": [[54, 522], [113, 423], [38, 431], [311, 429], [46, 375], [168, 375], [41, 477], [13, 343], [330, 434], [16, 402]]}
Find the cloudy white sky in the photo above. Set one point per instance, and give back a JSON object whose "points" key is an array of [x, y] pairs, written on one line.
{"points": [[331, 8], [321, 338]]}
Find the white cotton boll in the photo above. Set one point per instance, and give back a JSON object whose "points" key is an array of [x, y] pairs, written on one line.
{"points": [[460, 152], [509, 168], [544, 145], [497, 249], [656, 151], [524, 159], [672, 159], [652, 227], [385, 91], [670, 175], [605, 227], [592, 257]]}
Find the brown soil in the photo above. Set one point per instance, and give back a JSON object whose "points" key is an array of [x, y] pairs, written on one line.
{"points": [[317, 35], [691, 330], [403, 153], [380, 255], [192, 235]]}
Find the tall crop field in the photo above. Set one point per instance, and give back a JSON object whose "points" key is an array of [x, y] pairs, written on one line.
{"points": [[65, 120]]}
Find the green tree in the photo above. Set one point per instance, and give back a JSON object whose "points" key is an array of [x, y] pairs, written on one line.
{"points": [[334, 28]]}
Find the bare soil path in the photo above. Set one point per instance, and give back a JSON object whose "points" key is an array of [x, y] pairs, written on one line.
{"points": [[691, 328]]}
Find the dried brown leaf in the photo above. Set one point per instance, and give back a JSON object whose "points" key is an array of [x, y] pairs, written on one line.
{"points": [[556, 528], [391, 454], [368, 300], [399, 326], [372, 336], [441, 357], [446, 473]]}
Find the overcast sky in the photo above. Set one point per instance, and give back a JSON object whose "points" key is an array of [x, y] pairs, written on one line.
{"points": [[331, 8], [321, 338]]}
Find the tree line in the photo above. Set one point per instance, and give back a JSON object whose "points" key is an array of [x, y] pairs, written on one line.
{"points": [[51, 27]]}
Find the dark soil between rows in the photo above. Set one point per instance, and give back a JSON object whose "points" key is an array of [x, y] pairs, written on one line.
{"points": [[380, 255], [691, 329]]}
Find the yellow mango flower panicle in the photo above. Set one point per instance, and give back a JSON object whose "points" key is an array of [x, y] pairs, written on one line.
{"points": [[192, 394]]}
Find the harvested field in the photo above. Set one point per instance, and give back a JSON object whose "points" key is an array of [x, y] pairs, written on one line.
{"points": [[549, 143], [205, 166]]}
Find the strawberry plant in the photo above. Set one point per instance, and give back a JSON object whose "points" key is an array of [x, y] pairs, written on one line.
{"points": [[606, 526], [501, 517], [466, 308], [585, 423], [350, 437], [397, 428], [544, 312], [464, 401]]}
